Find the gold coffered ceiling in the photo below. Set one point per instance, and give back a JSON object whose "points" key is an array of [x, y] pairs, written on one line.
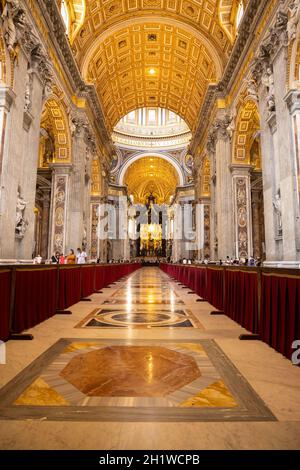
{"points": [[151, 175], [146, 53], [151, 65]]}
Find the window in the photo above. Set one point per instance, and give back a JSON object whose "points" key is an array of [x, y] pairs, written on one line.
{"points": [[240, 14], [65, 15]]}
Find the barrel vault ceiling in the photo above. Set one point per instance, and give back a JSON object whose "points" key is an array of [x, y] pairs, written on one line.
{"points": [[144, 53]]}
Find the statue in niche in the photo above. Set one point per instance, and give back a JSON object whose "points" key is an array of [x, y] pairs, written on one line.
{"points": [[294, 17], [268, 82], [278, 211], [21, 222], [49, 145]]}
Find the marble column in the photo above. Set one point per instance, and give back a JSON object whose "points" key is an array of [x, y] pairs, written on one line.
{"points": [[205, 251], [222, 192], [241, 187], [257, 223], [60, 195], [45, 251], [94, 217], [77, 209]]}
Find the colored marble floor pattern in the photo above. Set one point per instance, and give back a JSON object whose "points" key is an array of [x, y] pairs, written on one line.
{"points": [[140, 380], [143, 317]]}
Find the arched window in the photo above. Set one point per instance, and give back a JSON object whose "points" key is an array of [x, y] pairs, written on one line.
{"points": [[240, 14], [65, 15]]}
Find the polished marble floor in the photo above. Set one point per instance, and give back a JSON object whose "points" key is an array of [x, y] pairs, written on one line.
{"points": [[143, 365]]}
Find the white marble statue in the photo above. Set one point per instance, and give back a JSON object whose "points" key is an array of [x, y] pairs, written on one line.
{"points": [[28, 92], [278, 210], [268, 82], [252, 89], [21, 223]]}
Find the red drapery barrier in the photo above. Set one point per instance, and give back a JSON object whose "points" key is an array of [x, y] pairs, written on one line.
{"points": [[280, 307], [5, 291], [38, 292], [69, 290], [35, 297], [241, 298], [87, 280], [215, 287]]}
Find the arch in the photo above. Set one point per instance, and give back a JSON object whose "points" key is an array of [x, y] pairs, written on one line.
{"points": [[55, 138], [164, 156], [120, 63], [151, 176], [246, 148], [190, 14]]}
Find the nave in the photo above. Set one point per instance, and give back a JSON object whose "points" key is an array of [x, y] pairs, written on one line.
{"points": [[144, 365]]}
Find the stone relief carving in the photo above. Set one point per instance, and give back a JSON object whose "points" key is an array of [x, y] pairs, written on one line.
{"points": [[242, 213], [293, 19], [13, 19], [261, 68], [59, 213], [21, 222], [252, 89], [18, 31]]}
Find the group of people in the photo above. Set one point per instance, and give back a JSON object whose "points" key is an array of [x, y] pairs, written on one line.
{"points": [[71, 258]]}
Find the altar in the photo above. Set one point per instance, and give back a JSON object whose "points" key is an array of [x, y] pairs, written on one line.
{"points": [[151, 240]]}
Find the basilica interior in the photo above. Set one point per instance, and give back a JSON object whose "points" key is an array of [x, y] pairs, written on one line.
{"points": [[149, 224]]}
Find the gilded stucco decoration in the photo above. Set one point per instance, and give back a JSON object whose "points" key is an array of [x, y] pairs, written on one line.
{"points": [[205, 178], [151, 175], [202, 16], [96, 178], [151, 65], [247, 133], [55, 138]]}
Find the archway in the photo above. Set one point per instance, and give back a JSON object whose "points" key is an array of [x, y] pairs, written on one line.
{"points": [[151, 182], [247, 155]]}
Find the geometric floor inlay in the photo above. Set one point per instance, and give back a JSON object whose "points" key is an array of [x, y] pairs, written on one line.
{"points": [[140, 380], [143, 317]]}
